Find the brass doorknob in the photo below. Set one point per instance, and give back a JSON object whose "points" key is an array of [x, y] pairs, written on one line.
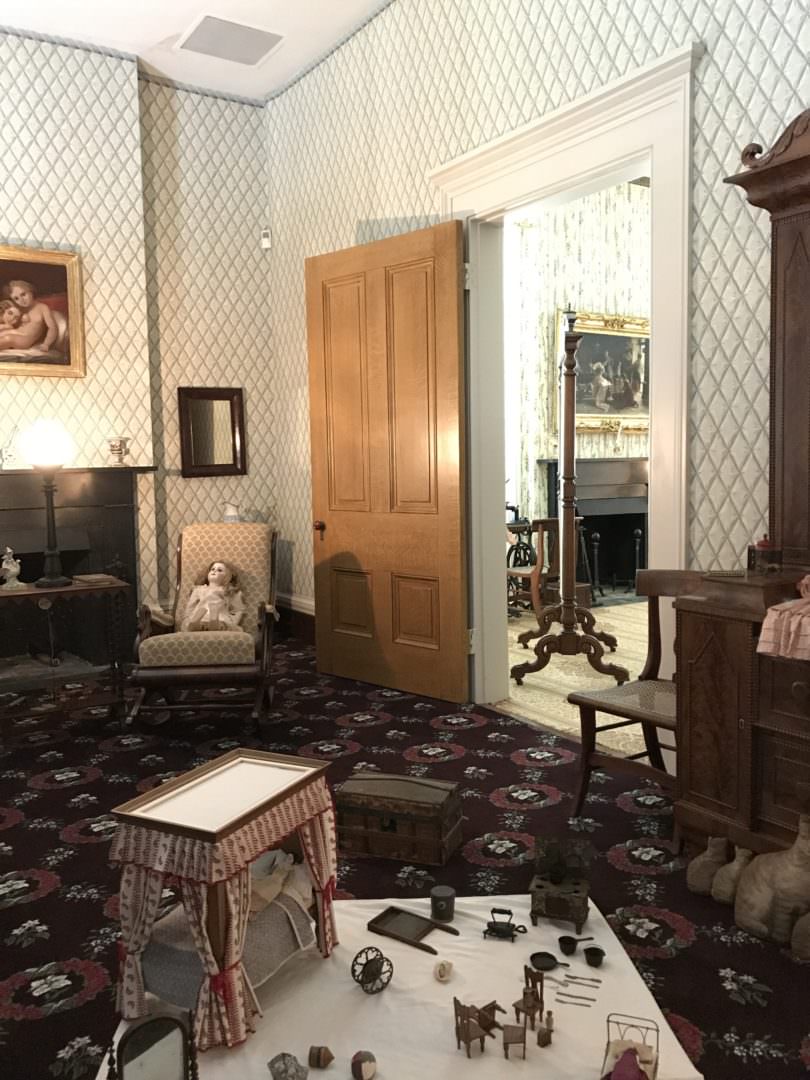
{"points": [[319, 526]]}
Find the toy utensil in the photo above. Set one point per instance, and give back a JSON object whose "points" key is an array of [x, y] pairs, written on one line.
{"points": [[579, 997]]}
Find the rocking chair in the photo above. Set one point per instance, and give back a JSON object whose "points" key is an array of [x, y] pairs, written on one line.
{"points": [[168, 659]]}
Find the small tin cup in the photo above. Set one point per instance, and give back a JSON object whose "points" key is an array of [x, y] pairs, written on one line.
{"points": [[594, 955], [442, 903]]}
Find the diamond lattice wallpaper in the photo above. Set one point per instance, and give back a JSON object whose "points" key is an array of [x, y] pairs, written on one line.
{"points": [[71, 156], [350, 144], [72, 181], [210, 314], [593, 253]]}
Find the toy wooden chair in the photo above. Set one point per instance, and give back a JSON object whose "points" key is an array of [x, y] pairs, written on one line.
{"points": [[468, 1028], [531, 1003], [514, 1035]]}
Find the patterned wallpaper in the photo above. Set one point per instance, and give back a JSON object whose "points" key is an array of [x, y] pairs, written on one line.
{"points": [[593, 253], [350, 144], [210, 314], [169, 186], [72, 180]]}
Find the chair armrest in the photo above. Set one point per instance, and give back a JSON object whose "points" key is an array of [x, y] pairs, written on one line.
{"points": [[150, 623], [264, 634]]}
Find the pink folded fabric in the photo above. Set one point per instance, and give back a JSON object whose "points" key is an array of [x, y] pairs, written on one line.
{"points": [[786, 626]]}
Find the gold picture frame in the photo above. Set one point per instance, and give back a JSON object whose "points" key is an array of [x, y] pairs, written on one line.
{"points": [[615, 350], [41, 313]]}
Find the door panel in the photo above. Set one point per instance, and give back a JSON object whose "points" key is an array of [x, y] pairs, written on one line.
{"points": [[412, 389], [347, 396], [386, 406]]}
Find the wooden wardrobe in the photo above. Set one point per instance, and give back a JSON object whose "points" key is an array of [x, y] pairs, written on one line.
{"points": [[744, 719]]}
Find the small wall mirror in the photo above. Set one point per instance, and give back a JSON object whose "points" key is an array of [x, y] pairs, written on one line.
{"points": [[156, 1049], [212, 431]]}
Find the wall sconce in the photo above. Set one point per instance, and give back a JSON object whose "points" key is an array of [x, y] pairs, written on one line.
{"points": [[47, 447]]}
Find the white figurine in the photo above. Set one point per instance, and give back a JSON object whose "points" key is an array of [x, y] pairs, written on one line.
{"points": [[10, 570], [216, 601]]}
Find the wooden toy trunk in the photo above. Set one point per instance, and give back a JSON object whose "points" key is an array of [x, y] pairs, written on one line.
{"points": [[414, 819]]}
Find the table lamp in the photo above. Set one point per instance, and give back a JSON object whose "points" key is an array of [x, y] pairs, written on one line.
{"points": [[47, 446]]}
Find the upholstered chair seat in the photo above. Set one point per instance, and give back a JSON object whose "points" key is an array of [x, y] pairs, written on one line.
{"points": [[186, 649]]}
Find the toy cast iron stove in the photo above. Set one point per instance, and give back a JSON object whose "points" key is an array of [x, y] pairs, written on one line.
{"points": [[502, 927], [559, 888]]}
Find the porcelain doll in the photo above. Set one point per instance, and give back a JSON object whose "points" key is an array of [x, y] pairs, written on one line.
{"points": [[216, 601], [10, 570]]}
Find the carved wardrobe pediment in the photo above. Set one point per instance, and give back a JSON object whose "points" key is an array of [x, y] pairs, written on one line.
{"points": [[779, 181]]}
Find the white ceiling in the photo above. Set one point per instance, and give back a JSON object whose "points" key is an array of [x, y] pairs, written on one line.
{"points": [[151, 28]]}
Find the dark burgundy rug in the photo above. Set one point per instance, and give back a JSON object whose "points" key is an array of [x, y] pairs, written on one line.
{"points": [[739, 1006]]}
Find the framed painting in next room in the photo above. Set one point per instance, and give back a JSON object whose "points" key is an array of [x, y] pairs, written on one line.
{"points": [[41, 313], [613, 372]]}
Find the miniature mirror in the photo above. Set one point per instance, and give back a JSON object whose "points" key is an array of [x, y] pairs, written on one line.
{"points": [[212, 431], [158, 1048]]}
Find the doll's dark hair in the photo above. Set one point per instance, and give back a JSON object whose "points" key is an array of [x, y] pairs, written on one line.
{"points": [[232, 586]]}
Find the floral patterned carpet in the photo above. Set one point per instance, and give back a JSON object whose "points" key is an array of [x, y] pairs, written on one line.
{"points": [[739, 1006]]}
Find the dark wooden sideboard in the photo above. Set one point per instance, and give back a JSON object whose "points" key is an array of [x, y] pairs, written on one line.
{"points": [[744, 719]]}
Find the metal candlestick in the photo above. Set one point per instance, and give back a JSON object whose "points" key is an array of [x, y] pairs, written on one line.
{"points": [[52, 576]]}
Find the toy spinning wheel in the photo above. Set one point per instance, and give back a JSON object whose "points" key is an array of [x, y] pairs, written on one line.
{"points": [[372, 970]]}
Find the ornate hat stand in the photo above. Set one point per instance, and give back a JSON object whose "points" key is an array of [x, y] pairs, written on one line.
{"points": [[579, 633]]}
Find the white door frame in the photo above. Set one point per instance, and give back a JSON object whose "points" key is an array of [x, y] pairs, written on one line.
{"points": [[639, 122]]}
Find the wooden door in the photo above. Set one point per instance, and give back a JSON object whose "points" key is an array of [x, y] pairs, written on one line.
{"points": [[385, 328]]}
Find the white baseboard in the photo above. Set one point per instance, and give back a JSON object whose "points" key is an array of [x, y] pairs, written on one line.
{"points": [[304, 604]]}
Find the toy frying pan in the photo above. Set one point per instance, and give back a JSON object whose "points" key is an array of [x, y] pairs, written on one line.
{"points": [[546, 961]]}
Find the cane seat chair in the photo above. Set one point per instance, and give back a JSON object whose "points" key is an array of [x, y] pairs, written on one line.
{"points": [[168, 660], [648, 700]]}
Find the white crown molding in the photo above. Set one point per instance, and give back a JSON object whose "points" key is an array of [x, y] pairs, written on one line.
{"points": [[508, 162]]}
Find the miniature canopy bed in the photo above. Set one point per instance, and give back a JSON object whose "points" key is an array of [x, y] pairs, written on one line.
{"points": [[200, 832]]}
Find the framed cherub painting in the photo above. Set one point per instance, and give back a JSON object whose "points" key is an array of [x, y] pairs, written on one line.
{"points": [[41, 316]]}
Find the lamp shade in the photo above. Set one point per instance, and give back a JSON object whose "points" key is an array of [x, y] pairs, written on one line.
{"points": [[46, 443]]}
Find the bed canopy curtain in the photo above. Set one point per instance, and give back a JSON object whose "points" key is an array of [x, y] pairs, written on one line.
{"points": [[218, 873]]}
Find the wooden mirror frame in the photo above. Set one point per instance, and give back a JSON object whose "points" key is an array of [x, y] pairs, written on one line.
{"points": [[186, 396]]}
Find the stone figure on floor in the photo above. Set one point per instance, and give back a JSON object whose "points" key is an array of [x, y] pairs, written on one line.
{"points": [[701, 870], [800, 939], [10, 570], [773, 892], [724, 885], [216, 601]]}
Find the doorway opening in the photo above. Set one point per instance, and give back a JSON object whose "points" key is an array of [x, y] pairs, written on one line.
{"points": [[638, 125], [589, 253]]}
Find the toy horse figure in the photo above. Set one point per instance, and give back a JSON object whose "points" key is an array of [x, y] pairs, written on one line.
{"points": [[774, 890]]}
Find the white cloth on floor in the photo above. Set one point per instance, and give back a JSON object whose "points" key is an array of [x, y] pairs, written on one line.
{"points": [[409, 1026]]}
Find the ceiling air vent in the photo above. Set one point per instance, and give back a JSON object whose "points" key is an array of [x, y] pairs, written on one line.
{"points": [[229, 41]]}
